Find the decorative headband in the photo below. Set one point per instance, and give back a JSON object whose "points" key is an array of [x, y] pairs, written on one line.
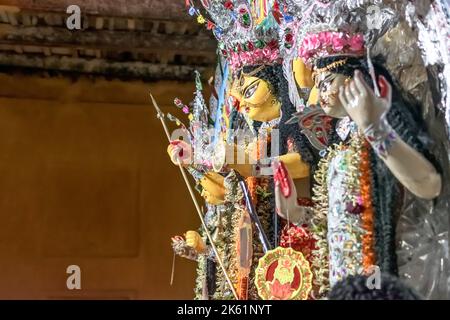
{"points": [[239, 57], [318, 72], [331, 43]]}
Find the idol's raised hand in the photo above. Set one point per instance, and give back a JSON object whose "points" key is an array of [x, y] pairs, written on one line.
{"points": [[195, 241], [361, 103], [180, 151], [411, 168]]}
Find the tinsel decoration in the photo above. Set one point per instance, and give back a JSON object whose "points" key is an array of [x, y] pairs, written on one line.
{"points": [[264, 209], [319, 259], [243, 276], [201, 277]]}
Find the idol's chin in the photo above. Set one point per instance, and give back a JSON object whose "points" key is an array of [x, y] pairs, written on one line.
{"points": [[327, 110], [334, 111], [256, 114], [330, 111]]}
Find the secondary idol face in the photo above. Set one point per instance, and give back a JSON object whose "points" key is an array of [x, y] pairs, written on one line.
{"points": [[213, 190], [328, 85]]}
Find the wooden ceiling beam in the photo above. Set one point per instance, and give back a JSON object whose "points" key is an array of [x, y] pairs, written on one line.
{"points": [[145, 9], [142, 40], [97, 67]]}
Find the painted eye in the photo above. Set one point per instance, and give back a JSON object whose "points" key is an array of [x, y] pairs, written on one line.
{"points": [[325, 86], [251, 90]]}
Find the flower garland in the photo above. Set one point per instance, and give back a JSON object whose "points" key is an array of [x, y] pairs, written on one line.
{"points": [[369, 256], [359, 179], [252, 183], [298, 238]]}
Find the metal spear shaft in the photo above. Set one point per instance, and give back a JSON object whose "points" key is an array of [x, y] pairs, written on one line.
{"points": [[161, 117]]}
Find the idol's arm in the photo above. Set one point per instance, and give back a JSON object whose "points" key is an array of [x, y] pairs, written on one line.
{"points": [[409, 166], [412, 169], [298, 169], [245, 162]]}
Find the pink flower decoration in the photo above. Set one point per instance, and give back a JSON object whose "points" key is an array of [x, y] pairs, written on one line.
{"points": [[359, 200], [253, 60], [326, 38], [302, 52], [357, 43], [325, 43], [274, 56], [258, 55], [235, 59], [305, 44], [339, 42], [245, 57], [323, 37], [266, 53], [314, 42]]}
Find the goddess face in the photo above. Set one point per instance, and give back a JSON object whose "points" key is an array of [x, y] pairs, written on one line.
{"points": [[328, 85], [257, 99]]}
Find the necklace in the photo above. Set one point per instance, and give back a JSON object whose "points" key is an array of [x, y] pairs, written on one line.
{"points": [[268, 125]]}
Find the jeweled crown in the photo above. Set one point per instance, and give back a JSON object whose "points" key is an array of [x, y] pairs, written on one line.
{"points": [[247, 30]]}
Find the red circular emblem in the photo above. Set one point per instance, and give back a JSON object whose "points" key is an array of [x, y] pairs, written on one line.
{"points": [[283, 274]]}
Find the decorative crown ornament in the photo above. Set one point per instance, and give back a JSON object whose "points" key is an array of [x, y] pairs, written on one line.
{"points": [[247, 30], [313, 29]]}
